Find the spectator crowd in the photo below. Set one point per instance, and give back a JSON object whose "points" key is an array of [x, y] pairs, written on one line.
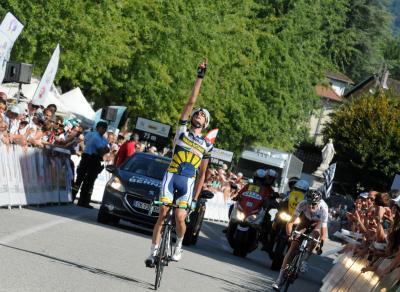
{"points": [[375, 224], [29, 124]]}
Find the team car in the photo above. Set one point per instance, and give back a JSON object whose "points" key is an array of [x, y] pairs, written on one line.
{"points": [[134, 186]]}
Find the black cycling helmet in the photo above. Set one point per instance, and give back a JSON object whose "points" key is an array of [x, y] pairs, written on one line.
{"points": [[313, 196]]}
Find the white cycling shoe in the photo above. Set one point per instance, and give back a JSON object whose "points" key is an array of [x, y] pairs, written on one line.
{"points": [[177, 254], [276, 286]]}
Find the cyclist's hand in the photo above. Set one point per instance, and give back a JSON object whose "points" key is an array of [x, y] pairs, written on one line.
{"points": [[201, 70], [193, 205]]}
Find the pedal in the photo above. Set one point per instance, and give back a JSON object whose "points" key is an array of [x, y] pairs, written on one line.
{"points": [[149, 263]]}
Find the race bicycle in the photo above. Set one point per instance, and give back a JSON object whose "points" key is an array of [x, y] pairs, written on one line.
{"points": [[292, 270], [164, 253]]}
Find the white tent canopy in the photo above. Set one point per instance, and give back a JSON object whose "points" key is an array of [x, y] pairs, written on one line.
{"points": [[28, 90], [77, 104], [71, 103]]}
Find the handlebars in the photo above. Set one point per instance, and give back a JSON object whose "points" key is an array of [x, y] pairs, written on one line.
{"points": [[159, 203], [319, 242]]}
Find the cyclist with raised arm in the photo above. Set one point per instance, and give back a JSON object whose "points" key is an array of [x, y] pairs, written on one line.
{"points": [[313, 214], [184, 179]]}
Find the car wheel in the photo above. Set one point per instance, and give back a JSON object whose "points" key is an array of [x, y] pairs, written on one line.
{"points": [[103, 216]]}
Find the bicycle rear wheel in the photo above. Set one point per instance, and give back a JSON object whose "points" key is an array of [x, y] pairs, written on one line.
{"points": [[162, 257]]}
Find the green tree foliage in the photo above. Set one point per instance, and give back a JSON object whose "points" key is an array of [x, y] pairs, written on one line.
{"points": [[265, 56], [355, 45], [366, 133]]}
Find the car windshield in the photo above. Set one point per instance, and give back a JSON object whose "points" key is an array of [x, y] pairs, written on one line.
{"points": [[147, 166]]}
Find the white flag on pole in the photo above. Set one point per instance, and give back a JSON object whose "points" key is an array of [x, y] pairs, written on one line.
{"points": [[47, 79], [329, 174], [10, 28]]}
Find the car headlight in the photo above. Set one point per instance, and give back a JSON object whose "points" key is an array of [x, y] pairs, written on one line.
{"points": [[285, 216], [116, 184]]}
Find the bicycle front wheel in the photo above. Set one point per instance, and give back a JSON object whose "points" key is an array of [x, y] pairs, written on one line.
{"points": [[162, 257], [290, 273]]}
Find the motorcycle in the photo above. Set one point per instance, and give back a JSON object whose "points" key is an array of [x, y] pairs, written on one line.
{"points": [[279, 241], [244, 226]]}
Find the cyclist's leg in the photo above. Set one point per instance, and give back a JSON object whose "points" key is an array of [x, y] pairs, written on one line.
{"points": [[311, 245], [165, 196], [288, 258], [290, 254], [183, 199], [184, 186]]}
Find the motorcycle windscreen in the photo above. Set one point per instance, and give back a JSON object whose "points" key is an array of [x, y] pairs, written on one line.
{"points": [[295, 197]]}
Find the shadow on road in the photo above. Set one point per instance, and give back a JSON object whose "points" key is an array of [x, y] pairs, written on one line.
{"points": [[84, 267], [212, 244]]}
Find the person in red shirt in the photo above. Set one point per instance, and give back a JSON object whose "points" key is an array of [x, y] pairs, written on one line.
{"points": [[126, 150]]}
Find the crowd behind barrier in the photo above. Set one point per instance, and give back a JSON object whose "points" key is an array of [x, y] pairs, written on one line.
{"points": [[347, 275], [370, 259]]}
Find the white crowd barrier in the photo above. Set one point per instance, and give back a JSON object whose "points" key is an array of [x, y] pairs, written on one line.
{"points": [[33, 176], [217, 209], [347, 275]]}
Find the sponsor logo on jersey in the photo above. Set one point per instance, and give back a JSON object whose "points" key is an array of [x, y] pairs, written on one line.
{"points": [[193, 144]]}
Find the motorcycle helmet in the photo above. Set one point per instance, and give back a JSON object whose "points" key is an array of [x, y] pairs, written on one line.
{"points": [[270, 176], [206, 113], [259, 173], [313, 196], [292, 181], [302, 185]]}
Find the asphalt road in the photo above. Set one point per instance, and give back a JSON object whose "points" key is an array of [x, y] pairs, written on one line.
{"points": [[63, 248]]}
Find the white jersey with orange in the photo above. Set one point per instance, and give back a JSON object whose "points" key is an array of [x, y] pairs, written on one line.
{"points": [[320, 214]]}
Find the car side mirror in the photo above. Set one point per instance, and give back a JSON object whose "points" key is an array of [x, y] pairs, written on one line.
{"points": [[207, 195], [111, 168]]}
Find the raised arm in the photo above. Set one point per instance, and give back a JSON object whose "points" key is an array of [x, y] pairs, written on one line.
{"points": [[201, 71]]}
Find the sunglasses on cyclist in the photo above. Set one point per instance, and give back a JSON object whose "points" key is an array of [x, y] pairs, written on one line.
{"points": [[201, 114]]}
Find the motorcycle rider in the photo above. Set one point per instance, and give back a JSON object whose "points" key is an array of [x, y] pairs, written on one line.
{"points": [[297, 190], [262, 184], [313, 213]]}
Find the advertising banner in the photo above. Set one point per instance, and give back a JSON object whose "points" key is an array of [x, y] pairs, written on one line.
{"points": [[47, 79], [10, 28], [220, 156], [152, 131]]}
